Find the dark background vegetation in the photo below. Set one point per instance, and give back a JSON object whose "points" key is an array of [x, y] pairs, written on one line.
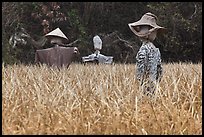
{"points": [[181, 42]]}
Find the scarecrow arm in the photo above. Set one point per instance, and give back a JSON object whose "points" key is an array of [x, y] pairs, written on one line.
{"points": [[141, 62], [70, 44], [159, 68]]}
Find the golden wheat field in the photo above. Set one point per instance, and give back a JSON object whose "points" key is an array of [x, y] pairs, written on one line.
{"points": [[100, 99]]}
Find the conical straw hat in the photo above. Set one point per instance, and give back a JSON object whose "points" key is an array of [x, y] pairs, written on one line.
{"points": [[57, 32]]}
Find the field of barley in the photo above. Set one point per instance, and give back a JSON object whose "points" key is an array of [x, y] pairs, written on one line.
{"points": [[100, 99]]}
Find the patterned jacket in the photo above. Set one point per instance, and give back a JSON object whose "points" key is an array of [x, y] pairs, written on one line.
{"points": [[148, 63]]}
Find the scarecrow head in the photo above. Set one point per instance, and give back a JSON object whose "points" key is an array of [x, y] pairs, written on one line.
{"points": [[146, 27], [57, 37]]}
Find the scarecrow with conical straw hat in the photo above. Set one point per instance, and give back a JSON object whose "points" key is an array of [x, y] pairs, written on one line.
{"points": [[148, 58]]}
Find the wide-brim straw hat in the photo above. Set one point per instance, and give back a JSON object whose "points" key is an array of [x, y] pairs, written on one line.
{"points": [[147, 19], [57, 33]]}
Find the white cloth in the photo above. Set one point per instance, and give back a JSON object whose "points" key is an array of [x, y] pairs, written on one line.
{"points": [[97, 42], [98, 57]]}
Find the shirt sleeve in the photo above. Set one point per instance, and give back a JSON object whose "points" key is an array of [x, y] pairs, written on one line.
{"points": [[141, 62], [159, 67]]}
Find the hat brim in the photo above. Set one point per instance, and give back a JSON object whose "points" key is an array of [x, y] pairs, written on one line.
{"points": [[139, 34], [64, 40], [57, 32]]}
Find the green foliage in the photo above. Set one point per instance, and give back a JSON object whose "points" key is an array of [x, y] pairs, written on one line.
{"points": [[181, 42], [76, 23], [183, 21]]}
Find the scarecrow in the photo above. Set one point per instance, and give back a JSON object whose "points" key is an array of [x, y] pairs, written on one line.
{"points": [[58, 55], [96, 56], [148, 58]]}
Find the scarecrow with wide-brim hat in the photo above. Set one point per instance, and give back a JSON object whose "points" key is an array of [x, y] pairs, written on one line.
{"points": [[148, 58]]}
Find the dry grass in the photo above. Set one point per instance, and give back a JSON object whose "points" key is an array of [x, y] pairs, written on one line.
{"points": [[99, 99]]}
